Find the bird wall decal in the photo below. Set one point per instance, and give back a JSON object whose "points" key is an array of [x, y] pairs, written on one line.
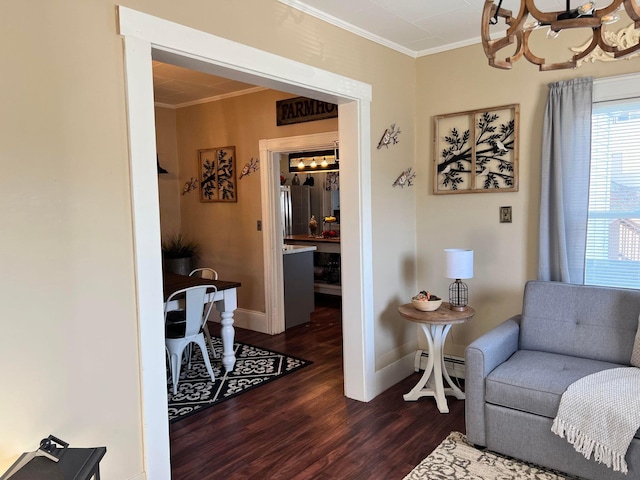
{"points": [[389, 137], [405, 179]]}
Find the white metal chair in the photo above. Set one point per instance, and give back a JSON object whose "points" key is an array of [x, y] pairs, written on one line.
{"points": [[180, 335], [209, 274]]}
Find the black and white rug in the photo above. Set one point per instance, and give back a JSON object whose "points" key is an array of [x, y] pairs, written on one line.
{"points": [[455, 458], [254, 367]]}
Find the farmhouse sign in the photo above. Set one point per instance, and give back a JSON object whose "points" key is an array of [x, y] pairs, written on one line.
{"points": [[302, 109]]}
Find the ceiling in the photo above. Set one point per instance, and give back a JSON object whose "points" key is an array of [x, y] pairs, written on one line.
{"points": [[413, 27], [176, 87]]}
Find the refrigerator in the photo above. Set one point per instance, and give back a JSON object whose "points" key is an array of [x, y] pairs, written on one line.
{"points": [[295, 203]]}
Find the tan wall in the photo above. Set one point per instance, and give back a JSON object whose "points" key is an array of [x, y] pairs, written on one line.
{"points": [[67, 283], [506, 254], [228, 232], [169, 185]]}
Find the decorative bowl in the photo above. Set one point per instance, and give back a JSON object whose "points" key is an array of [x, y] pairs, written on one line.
{"points": [[426, 305]]}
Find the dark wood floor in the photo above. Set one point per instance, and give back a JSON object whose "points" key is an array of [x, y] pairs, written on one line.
{"points": [[302, 427]]}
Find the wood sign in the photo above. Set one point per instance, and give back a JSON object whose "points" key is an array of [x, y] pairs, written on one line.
{"points": [[302, 109]]}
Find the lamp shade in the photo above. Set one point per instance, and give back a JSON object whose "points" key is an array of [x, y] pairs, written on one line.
{"points": [[459, 263]]}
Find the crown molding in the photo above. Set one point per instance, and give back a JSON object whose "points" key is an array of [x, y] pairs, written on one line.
{"points": [[348, 27], [215, 98], [373, 37], [450, 46]]}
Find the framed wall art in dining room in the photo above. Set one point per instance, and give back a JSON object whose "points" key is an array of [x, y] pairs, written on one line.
{"points": [[217, 174], [476, 151]]}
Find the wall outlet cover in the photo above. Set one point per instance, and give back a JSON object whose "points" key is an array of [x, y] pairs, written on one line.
{"points": [[505, 214]]}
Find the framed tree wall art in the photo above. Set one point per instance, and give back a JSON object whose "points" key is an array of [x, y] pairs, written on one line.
{"points": [[217, 174], [476, 151]]}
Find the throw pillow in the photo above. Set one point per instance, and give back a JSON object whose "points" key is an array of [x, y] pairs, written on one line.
{"points": [[635, 355]]}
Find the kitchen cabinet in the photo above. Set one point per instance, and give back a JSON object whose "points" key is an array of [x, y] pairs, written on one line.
{"points": [[297, 263], [326, 262]]}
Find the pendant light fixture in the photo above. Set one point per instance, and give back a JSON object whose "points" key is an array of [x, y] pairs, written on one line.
{"points": [[529, 18], [316, 161]]}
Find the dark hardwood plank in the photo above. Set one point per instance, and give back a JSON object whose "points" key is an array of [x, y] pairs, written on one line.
{"points": [[302, 427]]}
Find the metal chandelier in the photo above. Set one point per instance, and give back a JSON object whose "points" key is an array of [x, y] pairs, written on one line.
{"points": [[530, 18]]}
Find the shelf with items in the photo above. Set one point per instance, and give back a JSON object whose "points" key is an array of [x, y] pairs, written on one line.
{"points": [[327, 275], [330, 228]]}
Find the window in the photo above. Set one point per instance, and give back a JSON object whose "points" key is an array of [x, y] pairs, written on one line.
{"points": [[613, 231]]}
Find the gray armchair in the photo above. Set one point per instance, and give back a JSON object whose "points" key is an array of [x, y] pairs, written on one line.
{"points": [[517, 372]]}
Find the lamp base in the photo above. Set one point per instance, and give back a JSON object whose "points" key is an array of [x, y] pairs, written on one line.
{"points": [[458, 296], [458, 308]]}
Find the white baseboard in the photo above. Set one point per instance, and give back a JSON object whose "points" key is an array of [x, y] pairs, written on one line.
{"points": [[249, 319], [388, 376], [454, 365]]}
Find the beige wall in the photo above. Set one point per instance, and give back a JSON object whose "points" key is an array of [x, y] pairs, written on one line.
{"points": [[67, 278], [169, 184], [506, 254], [69, 346], [228, 232]]}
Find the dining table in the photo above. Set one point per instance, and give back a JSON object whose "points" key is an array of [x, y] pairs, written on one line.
{"points": [[226, 301]]}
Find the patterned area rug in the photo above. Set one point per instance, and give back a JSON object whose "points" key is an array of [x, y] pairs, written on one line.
{"points": [[456, 459], [254, 367]]}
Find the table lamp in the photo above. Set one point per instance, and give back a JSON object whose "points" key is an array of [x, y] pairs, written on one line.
{"points": [[459, 265]]}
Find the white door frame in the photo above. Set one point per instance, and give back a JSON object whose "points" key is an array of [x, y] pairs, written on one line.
{"points": [[146, 36], [272, 241]]}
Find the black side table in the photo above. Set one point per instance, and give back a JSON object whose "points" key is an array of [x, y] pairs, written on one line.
{"points": [[75, 464]]}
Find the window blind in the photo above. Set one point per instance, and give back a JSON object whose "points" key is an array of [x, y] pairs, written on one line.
{"points": [[613, 231]]}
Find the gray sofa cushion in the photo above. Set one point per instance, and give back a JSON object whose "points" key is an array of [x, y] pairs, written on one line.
{"points": [[582, 321], [533, 381]]}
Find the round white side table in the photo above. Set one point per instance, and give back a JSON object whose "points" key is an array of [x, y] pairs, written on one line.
{"points": [[436, 326]]}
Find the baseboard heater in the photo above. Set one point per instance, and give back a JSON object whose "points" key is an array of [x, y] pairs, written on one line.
{"points": [[454, 365]]}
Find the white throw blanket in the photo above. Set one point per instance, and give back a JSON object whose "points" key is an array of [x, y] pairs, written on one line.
{"points": [[600, 413]]}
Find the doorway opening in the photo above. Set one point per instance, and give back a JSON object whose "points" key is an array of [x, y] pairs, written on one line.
{"points": [[270, 152], [147, 37]]}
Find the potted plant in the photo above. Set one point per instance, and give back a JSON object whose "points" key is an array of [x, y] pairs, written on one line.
{"points": [[177, 254]]}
